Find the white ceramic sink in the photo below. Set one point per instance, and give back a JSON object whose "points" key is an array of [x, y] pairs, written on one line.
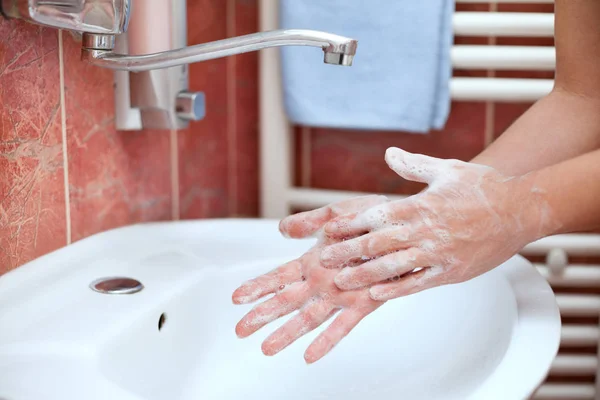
{"points": [[491, 338]]}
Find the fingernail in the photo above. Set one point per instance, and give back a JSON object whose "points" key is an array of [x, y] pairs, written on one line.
{"points": [[285, 234], [282, 228], [268, 353], [392, 153], [242, 300], [239, 332], [311, 358], [241, 296]]}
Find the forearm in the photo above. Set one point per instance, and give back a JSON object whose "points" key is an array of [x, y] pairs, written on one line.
{"points": [[571, 190], [558, 127]]}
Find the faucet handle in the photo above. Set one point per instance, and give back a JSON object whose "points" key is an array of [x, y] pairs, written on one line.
{"points": [[91, 16], [191, 106]]}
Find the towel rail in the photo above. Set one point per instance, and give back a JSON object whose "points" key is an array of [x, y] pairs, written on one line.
{"points": [[573, 336], [587, 276], [467, 23], [578, 305], [574, 245], [574, 365], [536, 58], [499, 89], [570, 391], [507, 1]]}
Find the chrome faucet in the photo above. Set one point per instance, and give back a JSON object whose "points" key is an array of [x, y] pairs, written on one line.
{"points": [[101, 20], [98, 49], [104, 23]]}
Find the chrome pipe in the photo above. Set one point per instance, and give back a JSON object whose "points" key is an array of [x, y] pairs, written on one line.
{"points": [[338, 50]]}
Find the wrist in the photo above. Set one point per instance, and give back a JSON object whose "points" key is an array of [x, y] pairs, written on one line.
{"points": [[532, 206]]}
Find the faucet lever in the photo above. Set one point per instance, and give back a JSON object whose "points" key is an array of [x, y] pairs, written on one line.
{"points": [[92, 16]]}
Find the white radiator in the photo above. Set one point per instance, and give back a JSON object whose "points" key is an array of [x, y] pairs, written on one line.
{"points": [[279, 196]]}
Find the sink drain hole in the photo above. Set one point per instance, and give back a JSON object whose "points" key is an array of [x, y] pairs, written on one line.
{"points": [[161, 321]]}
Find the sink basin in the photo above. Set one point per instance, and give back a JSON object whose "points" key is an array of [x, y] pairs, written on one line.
{"points": [[493, 337]]}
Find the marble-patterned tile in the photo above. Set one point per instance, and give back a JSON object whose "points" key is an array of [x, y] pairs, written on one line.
{"points": [[245, 80], [203, 148], [32, 202], [116, 178]]}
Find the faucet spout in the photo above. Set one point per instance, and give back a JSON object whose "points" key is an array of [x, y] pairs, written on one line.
{"points": [[339, 50]]}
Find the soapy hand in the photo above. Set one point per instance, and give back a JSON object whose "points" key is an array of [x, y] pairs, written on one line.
{"points": [[304, 285], [469, 220]]}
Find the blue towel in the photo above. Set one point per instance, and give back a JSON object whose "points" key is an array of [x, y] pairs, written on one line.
{"points": [[401, 73]]}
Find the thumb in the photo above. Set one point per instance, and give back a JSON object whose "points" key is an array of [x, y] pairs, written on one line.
{"points": [[413, 167]]}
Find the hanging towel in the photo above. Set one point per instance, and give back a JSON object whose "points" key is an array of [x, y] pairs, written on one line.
{"points": [[401, 73]]}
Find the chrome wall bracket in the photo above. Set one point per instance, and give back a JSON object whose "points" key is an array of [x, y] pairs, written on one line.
{"points": [[155, 99]]}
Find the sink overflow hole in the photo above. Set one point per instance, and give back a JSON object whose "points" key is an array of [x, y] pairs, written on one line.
{"points": [[161, 321]]}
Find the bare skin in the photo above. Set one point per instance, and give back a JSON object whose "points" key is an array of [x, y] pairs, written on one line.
{"points": [[304, 285], [540, 178]]}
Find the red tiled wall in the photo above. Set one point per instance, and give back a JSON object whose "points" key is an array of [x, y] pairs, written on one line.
{"points": [[218, 156], [32, 203], [118, 178]]}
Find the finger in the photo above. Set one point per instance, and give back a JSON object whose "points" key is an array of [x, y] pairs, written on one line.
{"points": [[283, 303], [269, 283], [309, 318], [335, 332], [366, 246], [415, 282], [376, 217], [306, 224], [351, 225], [413, 167], [380, 269]]}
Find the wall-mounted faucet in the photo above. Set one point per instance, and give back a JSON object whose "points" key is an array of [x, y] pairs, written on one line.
{"points": [[154, 49], [98, 49]]}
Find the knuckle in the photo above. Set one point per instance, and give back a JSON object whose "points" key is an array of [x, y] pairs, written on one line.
{"points": [[308, 319], [327, 298], [371, 243], [420, 259], [402, 234], [389, 262], [411, 256]]}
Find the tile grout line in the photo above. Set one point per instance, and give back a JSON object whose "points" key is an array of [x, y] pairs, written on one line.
{"points": [[490, 106], [63, 123], [490, 117], [174, 158], [232, 115], [306, 137]]}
